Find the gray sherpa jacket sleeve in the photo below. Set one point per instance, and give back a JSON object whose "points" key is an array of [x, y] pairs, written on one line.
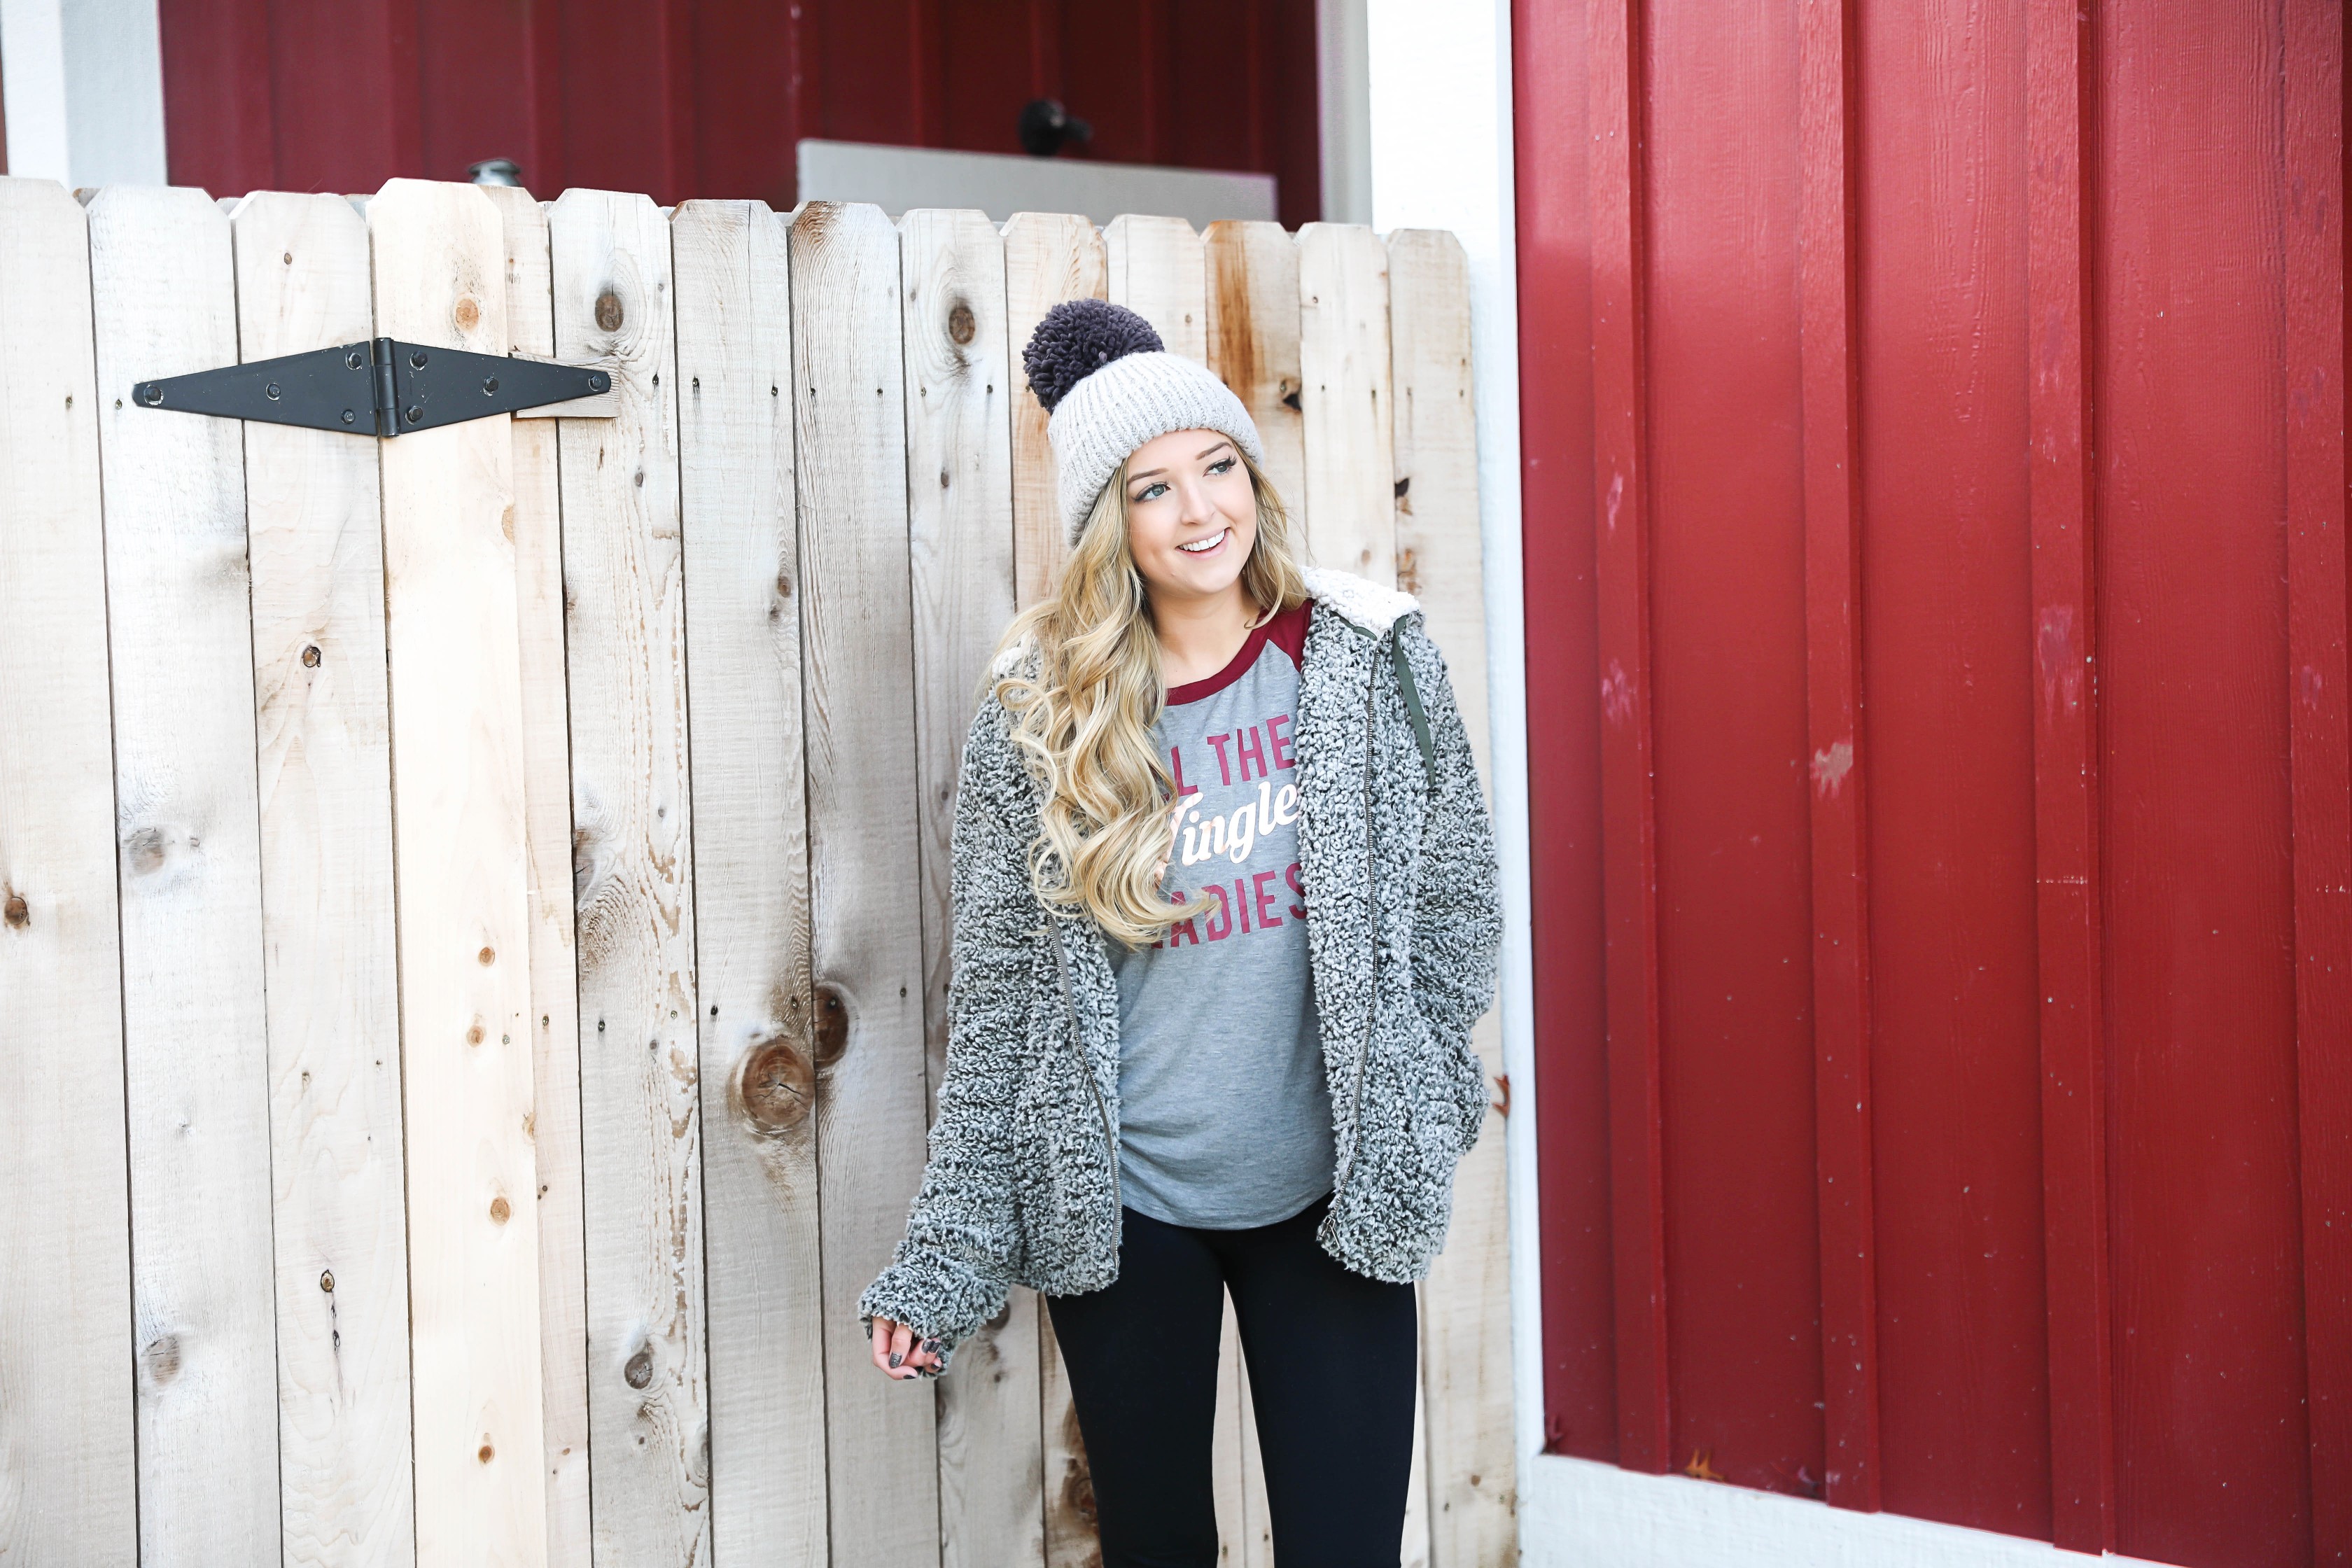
{"points": [[1457, 927], [954, 1269]]}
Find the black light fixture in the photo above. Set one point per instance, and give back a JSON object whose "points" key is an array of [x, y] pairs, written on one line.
{"points": [[1046, 128]]}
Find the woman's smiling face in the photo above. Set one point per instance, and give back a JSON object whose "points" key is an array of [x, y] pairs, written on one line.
{"points": [[1192, 513]]}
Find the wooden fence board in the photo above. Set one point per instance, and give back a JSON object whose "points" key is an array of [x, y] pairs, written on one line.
{"points": [[1048, 257], [461, 856], [554, 1014], [195, 1036], [865, 886], [1157, 271], [69, 1477], [750, 880], [340, 1229], [959, 538], [648, 1405], [1465, 1334], [1343, 357], [1253, 303]]}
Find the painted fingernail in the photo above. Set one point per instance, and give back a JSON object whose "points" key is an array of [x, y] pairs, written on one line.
{"points": [[930, 1347], [896, 1357]]}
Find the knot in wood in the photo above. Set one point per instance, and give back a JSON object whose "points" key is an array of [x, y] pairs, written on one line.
{"points": [[608, 311], [961, 326], [774, 1086], [832, 1025], [639, 1373]]}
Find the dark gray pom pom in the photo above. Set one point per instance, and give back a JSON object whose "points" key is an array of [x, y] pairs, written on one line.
{"points": [[1078, 337]]}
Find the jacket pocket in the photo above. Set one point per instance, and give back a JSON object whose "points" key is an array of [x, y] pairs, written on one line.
{"points": [[1452, 1085]]}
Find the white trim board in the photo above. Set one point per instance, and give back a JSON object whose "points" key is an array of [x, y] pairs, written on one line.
{"points": [[84, 86], [1576, 1513], [901, 179], [1440, 88]]}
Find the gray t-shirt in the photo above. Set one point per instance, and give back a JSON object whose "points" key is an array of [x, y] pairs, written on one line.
{"points": [[1226, 1121]]}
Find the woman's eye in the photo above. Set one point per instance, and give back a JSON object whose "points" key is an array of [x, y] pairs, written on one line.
{"points": [[1222, 466], [1149, 492]]}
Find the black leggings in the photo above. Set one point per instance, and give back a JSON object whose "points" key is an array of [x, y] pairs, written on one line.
{"points": [[1330, 1358]]}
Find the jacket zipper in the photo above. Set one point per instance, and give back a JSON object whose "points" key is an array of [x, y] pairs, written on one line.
{"points": [[1085, 1067], [1372, 905]]}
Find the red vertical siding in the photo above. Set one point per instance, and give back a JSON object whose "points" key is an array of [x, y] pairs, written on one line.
{"points": [[1946, 589], [1743, 1277], [1837, 764], [1556, 497], [1966, 377], [1629, 807], [2194, 709], [709, 98]]}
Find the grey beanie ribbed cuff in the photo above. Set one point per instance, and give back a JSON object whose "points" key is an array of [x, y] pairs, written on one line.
{"points": [[1135, 398]]}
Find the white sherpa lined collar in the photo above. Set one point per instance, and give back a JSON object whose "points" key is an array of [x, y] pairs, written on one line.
{"points": [[1360, 599]]}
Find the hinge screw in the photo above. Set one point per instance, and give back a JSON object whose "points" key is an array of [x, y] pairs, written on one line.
{"points": [[489, 385], [348, 416], [416, 359], [151, 395], [353, 360], [596, 383], [415, 413], [273, 392]]}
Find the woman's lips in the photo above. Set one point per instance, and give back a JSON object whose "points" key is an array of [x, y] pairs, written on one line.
{"points": [[1208, 546]]}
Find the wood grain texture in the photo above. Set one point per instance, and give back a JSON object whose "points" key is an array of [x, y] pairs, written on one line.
{"points": [[1240, 1506], [750, 874], [1838, 769], [960, 537], [2320, 768], [69, 1477], [1253, 303], [865, 872], [640, 1102], [2066, 803], [1628, 807], [1343, 358], [1156, 268], [1072, 1540], [194, 1032], [1048, 257], [1465, 1334], [554, 1015], [1255, 1546], [314, 525], [461, 855]]}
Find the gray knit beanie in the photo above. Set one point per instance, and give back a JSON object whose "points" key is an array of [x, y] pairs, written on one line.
{"points": [[1109, 386]]}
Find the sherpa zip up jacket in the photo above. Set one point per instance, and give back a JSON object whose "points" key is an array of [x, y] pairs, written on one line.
{"points": [[1404, 921]]}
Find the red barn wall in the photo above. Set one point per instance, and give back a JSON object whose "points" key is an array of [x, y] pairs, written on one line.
{"points": [[709, 98], [1959, 1123]]}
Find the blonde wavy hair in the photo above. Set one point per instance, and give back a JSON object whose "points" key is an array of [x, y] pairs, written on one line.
{"points": [[1084, 707]]}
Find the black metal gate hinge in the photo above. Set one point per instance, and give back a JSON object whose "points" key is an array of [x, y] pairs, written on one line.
{"points": [[373, 388]]}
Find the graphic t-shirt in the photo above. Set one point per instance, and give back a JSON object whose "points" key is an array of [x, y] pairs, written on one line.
{"points": [[1225, 1118]]}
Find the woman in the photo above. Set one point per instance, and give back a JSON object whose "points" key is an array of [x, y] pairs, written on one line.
{"points": [[1226, 911]]}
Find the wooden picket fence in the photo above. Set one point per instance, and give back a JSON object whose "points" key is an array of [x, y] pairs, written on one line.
{"points": [[438, 1123]]}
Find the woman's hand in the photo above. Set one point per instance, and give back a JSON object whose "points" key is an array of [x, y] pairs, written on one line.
{"points": [[897, 1355]]}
